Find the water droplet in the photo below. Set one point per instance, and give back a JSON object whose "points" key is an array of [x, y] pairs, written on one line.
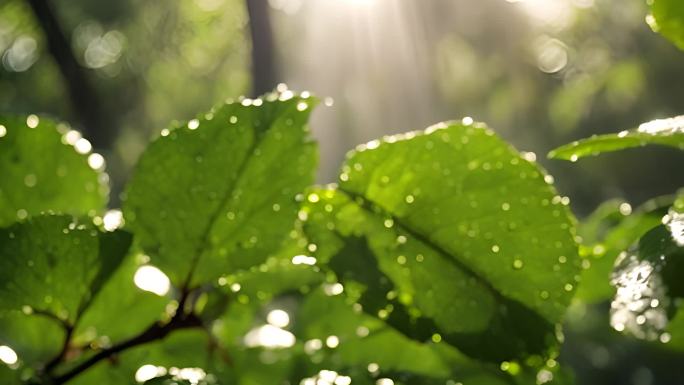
{"points": [[518, 264], [496, 248], [30, 180], [3, 131], [32, 121], [193, 124], [22, 214]]}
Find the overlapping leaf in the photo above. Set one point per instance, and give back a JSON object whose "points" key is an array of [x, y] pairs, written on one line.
{"points": [[52, 264], [42, 171], [609, 231], [666, 132], [648, 281], [450, 234], [218, 194], [51, 268], [667, 18]]}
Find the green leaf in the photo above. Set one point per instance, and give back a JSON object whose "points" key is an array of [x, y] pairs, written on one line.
{"points": [[217, 195], [649, 281], [42, 171], [34, 338], [610, 230], [51, 264], [667, 18], [666, 132], [108, 318], [450, 235]]}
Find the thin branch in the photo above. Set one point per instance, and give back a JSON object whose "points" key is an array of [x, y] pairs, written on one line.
{"points": [[44, 313], [52, 364], [155, 332], [264, 69]]}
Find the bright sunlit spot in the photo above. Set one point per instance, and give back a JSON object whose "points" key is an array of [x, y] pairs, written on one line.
{"points": [[192, 375], [148, 372], [112, 220], [96, 161], [7, 355], [278, 318], [83, 146], [150, 278], [303, 260], [269, 336]]}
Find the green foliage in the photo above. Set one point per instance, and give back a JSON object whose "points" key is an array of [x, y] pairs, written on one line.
{"points": [[666, 132], [41, 252], [445, 244], [45, 168], [648, 282], [667, 18], [217, 195], [451, 210], [608, 231]]}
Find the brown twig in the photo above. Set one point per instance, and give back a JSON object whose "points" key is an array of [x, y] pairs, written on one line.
{"points": [[157, 331]]}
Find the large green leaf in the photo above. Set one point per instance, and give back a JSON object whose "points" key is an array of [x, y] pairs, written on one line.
{"points": [[51, 264], [666, 132], [45, 167], [649, 281], [667, 18], [450, 234], [218, 194]]}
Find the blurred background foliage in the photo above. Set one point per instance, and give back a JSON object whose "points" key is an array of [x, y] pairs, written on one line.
{"points": [[541, 72]]}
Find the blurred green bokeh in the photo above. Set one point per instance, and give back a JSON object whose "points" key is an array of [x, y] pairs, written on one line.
{"points": [[541, 72]]}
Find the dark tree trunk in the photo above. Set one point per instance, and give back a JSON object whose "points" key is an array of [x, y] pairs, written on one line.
{"points": [[264, 69], [84, 99]]}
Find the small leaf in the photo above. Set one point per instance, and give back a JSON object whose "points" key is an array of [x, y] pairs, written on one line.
{"points": [[648, 281], [667, 18], [666, 132], [217, 195], [51, 264], [610, 230], [45, 167], [450, 235]]}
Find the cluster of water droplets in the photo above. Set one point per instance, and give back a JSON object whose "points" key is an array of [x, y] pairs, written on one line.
{"points": [[663, 126], [195, 376], [326, 377], [640, 303]]}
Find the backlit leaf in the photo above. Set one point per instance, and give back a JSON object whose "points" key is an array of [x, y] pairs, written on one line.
{"points": [[45, 167], [217, 194], [450, 234], [666, 132]]}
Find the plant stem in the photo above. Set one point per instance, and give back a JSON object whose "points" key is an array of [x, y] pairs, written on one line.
{"points": [[156, 331]]}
